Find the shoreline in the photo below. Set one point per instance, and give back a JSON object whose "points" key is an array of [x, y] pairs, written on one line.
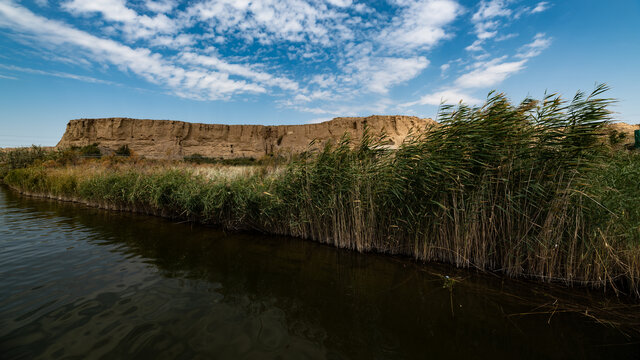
{"points": [[201, 250], [171, 216]]}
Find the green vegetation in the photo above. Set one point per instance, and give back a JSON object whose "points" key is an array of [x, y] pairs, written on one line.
{"points": [[616, 137], [20, 158], [123, 151], [91, 150], [239, 161], [200, 159], [528, 191]]}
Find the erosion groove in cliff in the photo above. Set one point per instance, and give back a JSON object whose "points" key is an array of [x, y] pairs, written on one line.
{"points": [[175, 139]]}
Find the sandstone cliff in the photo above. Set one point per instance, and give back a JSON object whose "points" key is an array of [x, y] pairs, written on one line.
{"points": [[175, 139]]}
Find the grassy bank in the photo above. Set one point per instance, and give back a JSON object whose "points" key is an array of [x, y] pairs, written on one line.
{"points": [[530, 190]]}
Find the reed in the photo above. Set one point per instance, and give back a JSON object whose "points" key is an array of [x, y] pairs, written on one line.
{"points": [[527, 190]]}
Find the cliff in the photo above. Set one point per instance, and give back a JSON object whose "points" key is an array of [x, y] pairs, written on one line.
{"points": [[624, 133], [175, 139]]}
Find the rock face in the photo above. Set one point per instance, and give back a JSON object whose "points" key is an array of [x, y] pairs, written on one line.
{"points": [[175, 139], [628, 130]]}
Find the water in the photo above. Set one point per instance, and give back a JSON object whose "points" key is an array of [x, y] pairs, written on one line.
{"points": [[77, 282]]}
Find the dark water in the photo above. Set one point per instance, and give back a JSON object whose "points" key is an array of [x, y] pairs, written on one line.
{"points": [[77, 282]]}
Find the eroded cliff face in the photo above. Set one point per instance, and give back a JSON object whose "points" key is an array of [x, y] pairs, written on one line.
{"points": [[175, 139]]}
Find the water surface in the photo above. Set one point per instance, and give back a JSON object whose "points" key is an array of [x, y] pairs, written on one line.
{"points": [[78, 282]]}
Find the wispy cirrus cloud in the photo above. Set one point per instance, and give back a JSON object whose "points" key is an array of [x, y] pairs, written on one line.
{"points": [[446, 96], [489, 73], [485, 71], [59, 74], [128, 20], [535, 48], [490, 17], [194, 83], [378, 74], [540, 7], [270, 21], [486, 18], [420, 24], [319, 55], [160, 6], [484, 75], [415, 27], [243, 70]]}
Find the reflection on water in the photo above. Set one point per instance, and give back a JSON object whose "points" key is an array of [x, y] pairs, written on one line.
{"points": [[82, 282]]}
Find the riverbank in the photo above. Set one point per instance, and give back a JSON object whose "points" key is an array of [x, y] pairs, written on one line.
{"points": [[525, 191], [167, 284]]}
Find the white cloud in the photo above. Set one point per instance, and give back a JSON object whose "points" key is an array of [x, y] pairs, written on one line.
{"points": [[542, 6], [476, 46], [59, 74], [506, 37], [527, 10], [491, 9], [160, 6], [173, 42], [362, 8], [486, 29], [489, 73], [446, 96], [483, 74], [540, 42], [313, 110], [420, 24], [378, 74], [323, 80], [346, 48], [133, 25], [340, 3], [486, 22], [213, 62], [318, 120], [315, 95], [379, 107], [267, 21], [8, 77], [366, 59], [192, 83], [301, 98], [114, 10], [484, 19]]}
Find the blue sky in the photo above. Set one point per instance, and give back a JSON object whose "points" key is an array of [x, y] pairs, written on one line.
{"points": [[300, 61]]}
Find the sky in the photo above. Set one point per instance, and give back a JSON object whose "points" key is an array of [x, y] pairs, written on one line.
{"points": [[278, 62]]}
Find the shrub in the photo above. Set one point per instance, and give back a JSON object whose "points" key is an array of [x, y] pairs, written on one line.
{"points": [[123, 151], [91, 150]]}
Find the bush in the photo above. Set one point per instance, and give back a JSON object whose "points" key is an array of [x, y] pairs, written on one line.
{"points": [[616, 137], [21, 158], [123, 151], [200, 159], [197, 159], [91, 150]]}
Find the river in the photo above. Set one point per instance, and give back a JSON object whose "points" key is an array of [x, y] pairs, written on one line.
{"points": [[79, 282]]}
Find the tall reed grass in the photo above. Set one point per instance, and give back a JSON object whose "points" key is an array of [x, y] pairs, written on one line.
{"points": [[527, 190]]}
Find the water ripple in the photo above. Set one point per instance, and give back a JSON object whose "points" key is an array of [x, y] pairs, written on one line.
{"points": [[83, 283]]}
